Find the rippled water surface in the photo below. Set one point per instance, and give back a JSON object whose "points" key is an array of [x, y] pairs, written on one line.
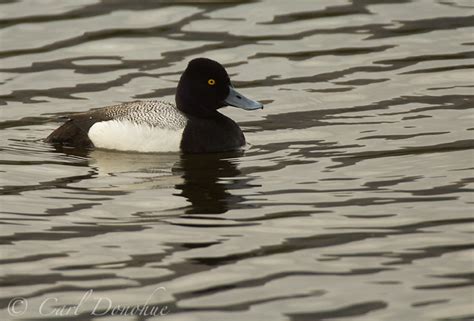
{"points": [[352, 201]]}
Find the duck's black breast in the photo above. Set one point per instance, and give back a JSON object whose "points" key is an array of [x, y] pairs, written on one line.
{"points": [[216, 134]]}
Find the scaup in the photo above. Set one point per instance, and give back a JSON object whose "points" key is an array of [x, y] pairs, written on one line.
{"points": [[193, 125]]}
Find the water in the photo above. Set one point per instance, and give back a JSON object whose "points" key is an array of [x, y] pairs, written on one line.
{"points": [[352, 202]]}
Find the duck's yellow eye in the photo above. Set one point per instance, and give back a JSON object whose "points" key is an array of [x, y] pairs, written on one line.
{"points": [[211, 82]]}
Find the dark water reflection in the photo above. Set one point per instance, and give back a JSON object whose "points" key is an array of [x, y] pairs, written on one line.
{"points": [[208, 182], [353, 200]]}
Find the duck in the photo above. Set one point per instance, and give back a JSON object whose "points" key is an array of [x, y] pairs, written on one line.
{"points": [[193, 124]]}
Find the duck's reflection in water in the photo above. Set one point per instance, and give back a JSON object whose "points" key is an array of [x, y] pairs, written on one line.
{"points": [[207, 180], [204, 180]]}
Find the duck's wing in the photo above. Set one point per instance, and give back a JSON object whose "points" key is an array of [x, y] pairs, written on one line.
{"points": [[154, 113]]}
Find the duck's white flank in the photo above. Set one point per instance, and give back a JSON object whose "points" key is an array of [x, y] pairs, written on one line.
{"points": [[129, 136]]}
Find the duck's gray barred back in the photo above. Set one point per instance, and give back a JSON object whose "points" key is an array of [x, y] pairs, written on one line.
{"points": [[155, 113]]}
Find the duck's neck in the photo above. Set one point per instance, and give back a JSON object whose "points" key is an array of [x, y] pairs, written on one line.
{"points": [[216, 134], [194, 108]]}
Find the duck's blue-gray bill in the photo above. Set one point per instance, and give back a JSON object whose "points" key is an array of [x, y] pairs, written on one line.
{"points": [[238, 100]]}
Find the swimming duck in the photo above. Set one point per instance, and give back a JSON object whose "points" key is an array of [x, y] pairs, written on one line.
{"points": [[192, 125]]}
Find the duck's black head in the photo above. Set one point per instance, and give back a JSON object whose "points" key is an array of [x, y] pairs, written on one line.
{"points": [[205, 87]]}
